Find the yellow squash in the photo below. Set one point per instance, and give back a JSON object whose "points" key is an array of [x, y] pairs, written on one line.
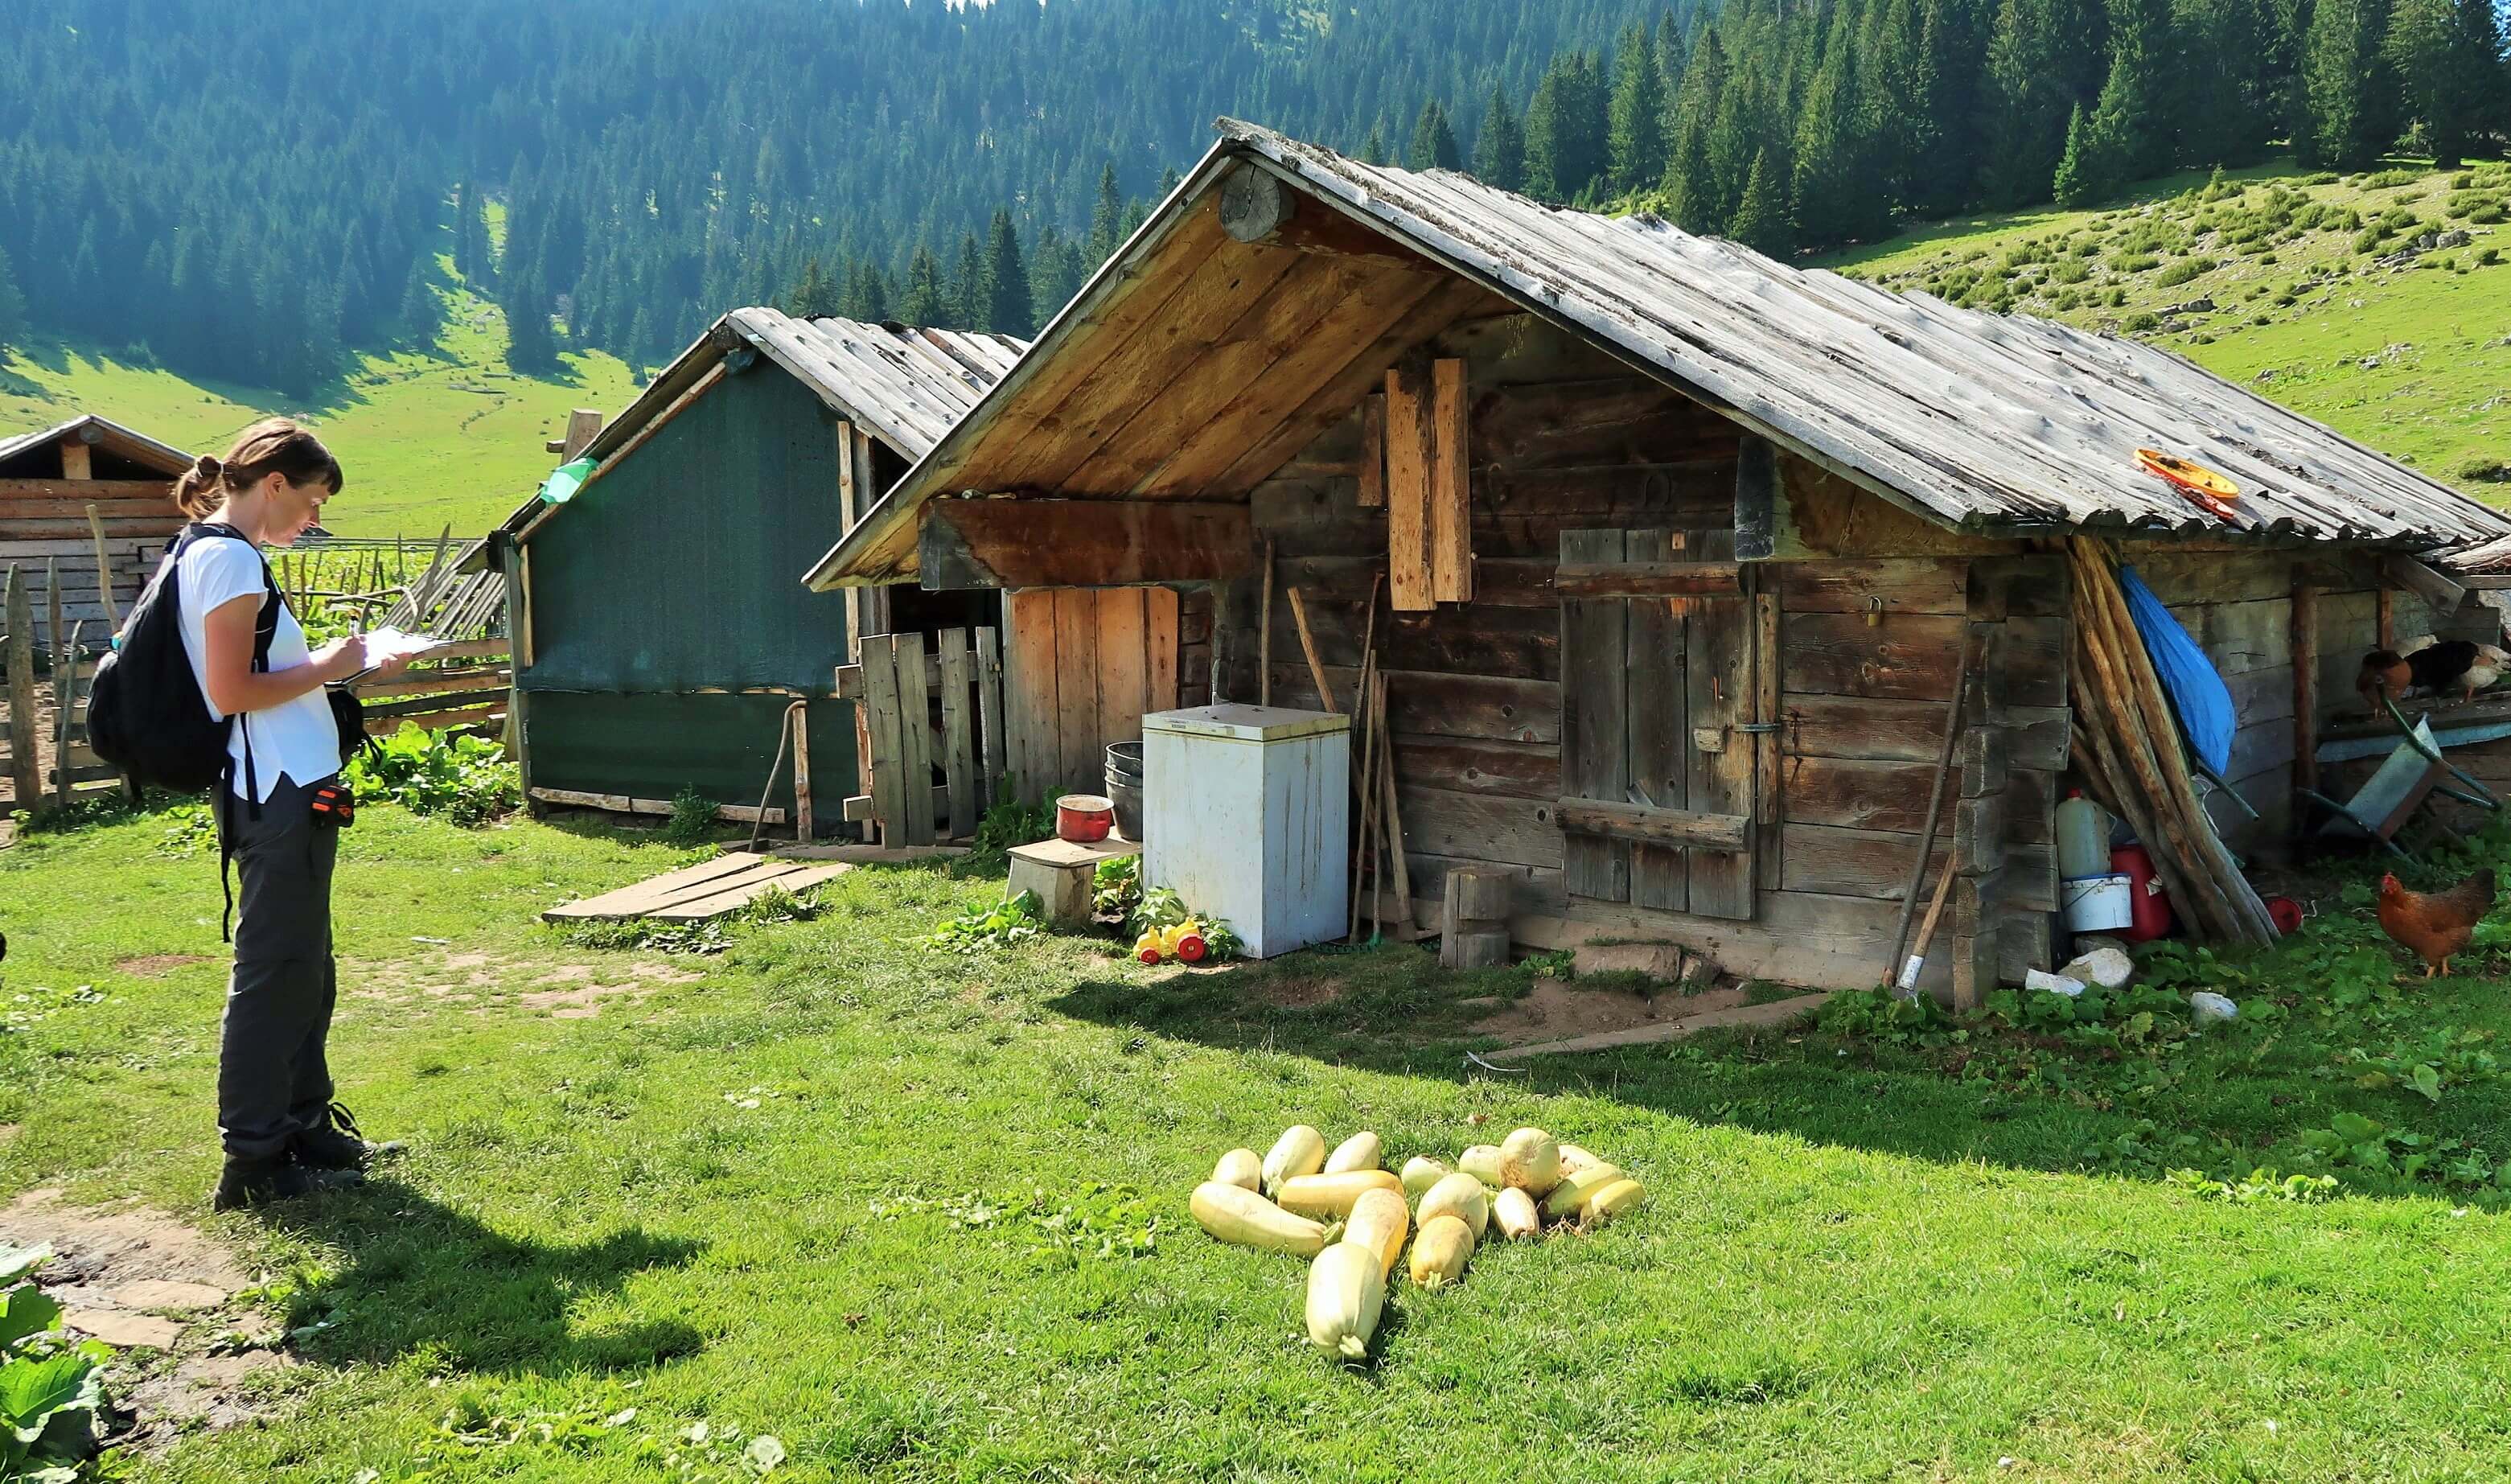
{"points": [[1346, 1288], [1240, 1167], [1246, 1219], [1574, 1159], [1360, 1151], [1300, 1151], [1571, 1194], [1480, 1162], [1421, 1172], [1611, 1202], [1530, 1160], [1379, 1221], [1333, 1194], [1461, 1195], [1513, 1211], [1438, 1253]]}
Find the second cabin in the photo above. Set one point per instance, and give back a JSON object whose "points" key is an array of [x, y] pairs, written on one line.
{"points": [[1674, 558]]}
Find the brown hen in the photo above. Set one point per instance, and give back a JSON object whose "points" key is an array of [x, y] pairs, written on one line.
{"points": [[2435, 924]]}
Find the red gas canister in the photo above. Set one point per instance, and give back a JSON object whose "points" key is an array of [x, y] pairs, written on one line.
{"points": [[2150, 908]]}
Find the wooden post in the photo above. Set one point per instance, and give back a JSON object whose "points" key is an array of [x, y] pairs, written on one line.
{"points": [[65, 711], [851, 504], [583, 426], [104, 571], [1309, 647], [1450, 524], [1265, 633], [24, 773], [509, 566], [52, 615], [801, 712], [1472, 926], [78, 461], [2305, 694]]}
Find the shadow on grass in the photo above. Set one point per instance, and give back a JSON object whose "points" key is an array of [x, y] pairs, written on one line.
{"points": [[2222, 1102], [416, 1276]]}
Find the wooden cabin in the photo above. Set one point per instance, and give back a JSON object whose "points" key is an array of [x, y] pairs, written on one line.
{"points": [[659, 631], [85, 498], [1680, 555]]}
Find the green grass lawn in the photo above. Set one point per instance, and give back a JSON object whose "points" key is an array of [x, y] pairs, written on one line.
{"points": [[2412, 360], [787, 1190], [448, 436]]}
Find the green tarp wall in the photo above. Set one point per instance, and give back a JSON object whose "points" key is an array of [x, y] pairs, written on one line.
{"points": [[653, 746], [679, 572], [682, 567]]}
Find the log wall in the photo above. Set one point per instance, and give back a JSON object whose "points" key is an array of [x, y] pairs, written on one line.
{"points": [[1563, 439]]}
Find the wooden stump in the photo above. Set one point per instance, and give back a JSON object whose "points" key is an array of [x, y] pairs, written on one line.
{"points": [[1472, 929]]}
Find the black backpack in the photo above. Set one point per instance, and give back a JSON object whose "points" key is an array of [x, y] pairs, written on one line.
{"points": [[145, 712]]}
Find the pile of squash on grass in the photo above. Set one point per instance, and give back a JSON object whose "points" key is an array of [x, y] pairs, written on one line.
{"points": [[1523, 1184]]}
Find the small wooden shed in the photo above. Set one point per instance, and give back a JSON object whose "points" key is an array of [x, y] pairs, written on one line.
{"points": [[86, 495], [658, 633], [1686, 552]]}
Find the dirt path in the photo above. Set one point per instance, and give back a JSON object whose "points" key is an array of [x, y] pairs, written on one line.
{"points": [[161, 1293]]}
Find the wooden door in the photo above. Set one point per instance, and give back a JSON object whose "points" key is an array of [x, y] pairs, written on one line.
{"points": [[1661, 697]]}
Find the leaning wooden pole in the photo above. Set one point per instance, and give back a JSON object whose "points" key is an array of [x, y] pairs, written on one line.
{"points": [[1935, 808]]}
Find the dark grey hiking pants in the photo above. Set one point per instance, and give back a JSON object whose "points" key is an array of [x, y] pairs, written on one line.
{"points": [[273, 1080]]}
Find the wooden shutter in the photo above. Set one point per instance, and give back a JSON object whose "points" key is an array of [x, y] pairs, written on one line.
{"points": [[1659, 784]]}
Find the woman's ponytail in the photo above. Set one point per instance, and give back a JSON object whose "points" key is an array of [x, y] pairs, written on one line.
{"points": [[196, 490], [272, 445]]}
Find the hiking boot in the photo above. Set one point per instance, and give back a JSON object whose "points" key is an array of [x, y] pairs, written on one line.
{"points": [[337, 1145], [259, 1182]]}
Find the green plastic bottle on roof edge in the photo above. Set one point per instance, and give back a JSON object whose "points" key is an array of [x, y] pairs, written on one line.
{"points": [[563, 481]]}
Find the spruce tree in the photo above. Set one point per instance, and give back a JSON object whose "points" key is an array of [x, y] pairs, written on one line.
{"points": [[1689, 183], [2078, 180], [1372, 150], [1546, 128], [1107, 217], [13, 307], [1007, 291], [1761, 219], [2223, 75], [1499, 148], [419, 313], [2449, 55], [813, 296], [2131, 125], [1946, 138], [1839, 195], [927, 304], [970, 295], [461, 230], [1635, 122], [1434, 143], [2347, 86]]}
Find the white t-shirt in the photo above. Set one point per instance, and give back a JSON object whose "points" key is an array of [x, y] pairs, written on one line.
{"points": [[295, 739]]}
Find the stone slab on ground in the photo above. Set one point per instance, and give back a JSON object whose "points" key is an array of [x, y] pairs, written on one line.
{"points": [[1660, 961]]}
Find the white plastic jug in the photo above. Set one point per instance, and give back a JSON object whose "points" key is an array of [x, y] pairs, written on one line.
{"points": [[2083, 830]]}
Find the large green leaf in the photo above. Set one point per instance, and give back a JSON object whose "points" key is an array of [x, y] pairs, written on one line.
{"points": [[17, 1262], [32, 1392], [25, 1310]]}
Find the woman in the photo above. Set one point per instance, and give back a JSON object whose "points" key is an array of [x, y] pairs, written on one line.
{"points": [[282, 1134]]}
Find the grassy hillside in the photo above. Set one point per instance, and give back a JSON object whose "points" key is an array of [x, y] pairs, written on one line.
{"points": [[427, 439], [2294, 285]]}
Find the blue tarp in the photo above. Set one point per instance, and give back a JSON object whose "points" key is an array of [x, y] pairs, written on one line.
{"points": [[2200, 696]]}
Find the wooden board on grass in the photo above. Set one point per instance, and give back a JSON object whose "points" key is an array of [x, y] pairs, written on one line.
{"points": [[695, 893]]}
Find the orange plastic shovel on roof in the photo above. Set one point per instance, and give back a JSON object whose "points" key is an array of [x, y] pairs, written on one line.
{"points": [[2200, 483]]}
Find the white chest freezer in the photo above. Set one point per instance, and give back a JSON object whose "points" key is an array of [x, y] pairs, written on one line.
{"points": [[1247, 815]]}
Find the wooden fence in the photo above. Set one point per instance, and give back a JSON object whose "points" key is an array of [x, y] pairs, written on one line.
{"points": [[928, 733]]}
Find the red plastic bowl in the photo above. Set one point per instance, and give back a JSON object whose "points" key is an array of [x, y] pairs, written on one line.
{"points": [[1084, 819]]}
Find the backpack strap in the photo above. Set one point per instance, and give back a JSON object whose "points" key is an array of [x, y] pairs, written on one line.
{"points": [[265, 628]]}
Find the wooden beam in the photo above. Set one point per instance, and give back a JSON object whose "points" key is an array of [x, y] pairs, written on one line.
{"points": [[1451, 537], [1372, 452], [622, 803], [77, 460], [2304, 639], [1082, 543], [2441, 592], [78, 491], [1647, 580], [1408, 466], [1254, 205], [1686, 828], [583, 426]]}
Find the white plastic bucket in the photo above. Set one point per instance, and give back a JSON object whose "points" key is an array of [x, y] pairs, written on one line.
{"points": [[2097, 904]]}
